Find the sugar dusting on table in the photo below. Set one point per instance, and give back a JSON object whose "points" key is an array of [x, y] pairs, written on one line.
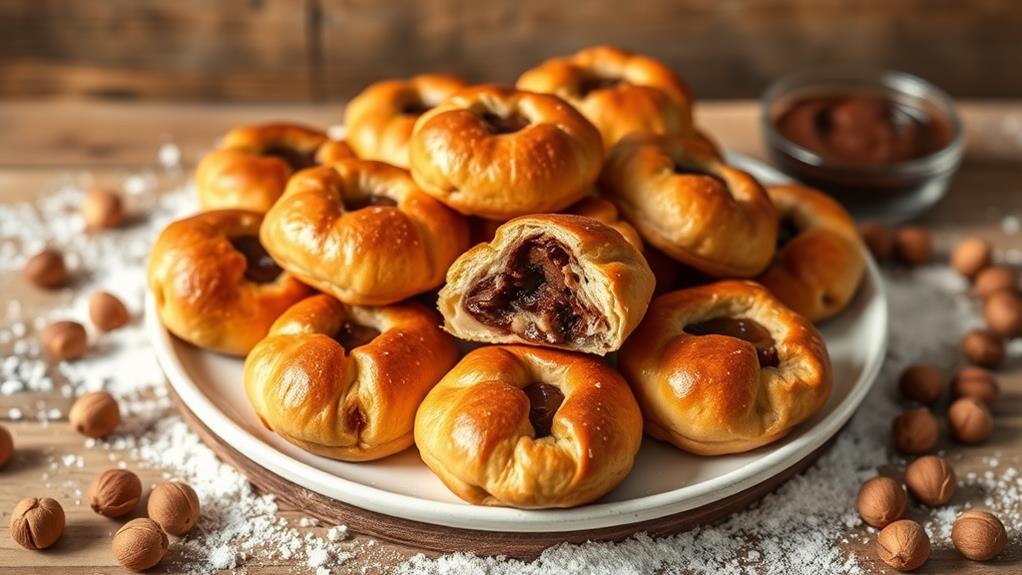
{"points": [[797, 529]]}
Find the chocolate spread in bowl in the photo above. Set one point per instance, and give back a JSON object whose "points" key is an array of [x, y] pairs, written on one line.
{"points": [[259, 266], [744, 329]]}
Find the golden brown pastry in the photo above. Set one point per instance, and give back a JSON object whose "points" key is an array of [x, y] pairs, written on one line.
{"points": [[606, 212], [344, 381], [379, 120], [618, 91], [725, 368], [363, 232], [691, 205], [251, 167], [214, 284], [528, 427], [819, 260], [498, 153], [556, 280]]}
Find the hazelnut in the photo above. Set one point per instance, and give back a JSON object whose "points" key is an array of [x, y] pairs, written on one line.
{"points": [[881, 500], [64, 340], [930, 480], [982, 347], [921, 383], [912, 245], [107, 312], [878, 239], [95, 414], [975, 382], [915, 431], [140, 544], [6, 446], [1003, 313], [115, 492], [102, 209], [993, 279], [175, 506], [903, 545], [971, 255], [37, 523], [46, 269], [978, 535], [970, 420]]}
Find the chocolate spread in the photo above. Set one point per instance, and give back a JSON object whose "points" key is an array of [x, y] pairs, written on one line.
{"points": [[744, 329], [593, 83], [295, 159], [368, 201], [544, 401], [510, 124], [786, 231], [352, 335], [259, 266]]}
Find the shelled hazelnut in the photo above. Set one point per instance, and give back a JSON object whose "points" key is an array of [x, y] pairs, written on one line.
{"points": [[6, 446], [881, 501], [139, 544], [175, 506], [64, 340], [46, 269], [878, 240], [921, 383], [970, 420], [915, 431], [931, 480], [1003, 313], [95, 414], [37, 523], [971, 255], [102, 208], [107, 311], [975, 382], [993, 279], [903, 545], [982, 347], [115, 492], [978, 535], [912, 245]]}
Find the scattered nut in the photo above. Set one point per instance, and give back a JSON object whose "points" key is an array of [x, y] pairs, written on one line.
{"points": [[975, 382], [971, 255], [46, 269], [115, 492], [993, 279], [175, 506], [915, 431], [979, 535], [903, 545], [970, 420], [95, 414], [878, 240], [982, 347], [107, 312], [930, 480], [102, 209], [1003, 313], [912, 245], [64, 340], [921, 383], [37, 523], [881, 500], [6, 446], [140, 544]]}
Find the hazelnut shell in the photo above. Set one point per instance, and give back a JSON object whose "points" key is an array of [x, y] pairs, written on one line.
{"points": [[46, 269], [102, 209], [878, 240], [37, 523], [64, 340], [1003, 313], [971, 255], [982, 347], [115, 492], [175, 506], [881, 501], [107, 312], [979, 535], [970, 420], [993, 279], [915, 431], [975, 382], [912, 245], [903, 545], [95, 414], [139, 544], [6, 446], [921, 383], [931, 480]]}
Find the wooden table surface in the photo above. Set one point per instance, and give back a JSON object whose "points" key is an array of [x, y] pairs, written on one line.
{"points": [[41, 142]]}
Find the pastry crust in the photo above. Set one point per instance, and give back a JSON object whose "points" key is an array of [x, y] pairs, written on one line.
{"points": [[618, 91], [605, 211], [817, 271], [376, 255], [555, 280], [711, 394], [474, 431], [354, 404], [498, 153], [380, 119], [201, 286], [691, 205], [253, 163]]}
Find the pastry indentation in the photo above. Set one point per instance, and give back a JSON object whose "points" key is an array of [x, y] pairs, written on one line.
{"points": [[295, 159], [544, 401], [259, 266], [744, 329], [507, 124], [352, 335]]}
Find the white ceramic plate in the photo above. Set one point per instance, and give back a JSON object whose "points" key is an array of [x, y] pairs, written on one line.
{"points": [[664, 480]]}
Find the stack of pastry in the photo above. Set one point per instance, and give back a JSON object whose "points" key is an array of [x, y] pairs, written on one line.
{"points": [[539, 220]]}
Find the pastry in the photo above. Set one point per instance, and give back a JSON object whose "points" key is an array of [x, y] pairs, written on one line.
{"points": [[691, 205], [819, 260], [606, 212], [556, 280], [498, 153], [725, 368], [214, 284], [363, 232], [379, 120], [344, 381], [251, 167], [619, 92], [528, 427]]}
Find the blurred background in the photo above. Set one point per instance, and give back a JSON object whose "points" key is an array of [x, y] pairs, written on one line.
{"points": [[328, 50]]}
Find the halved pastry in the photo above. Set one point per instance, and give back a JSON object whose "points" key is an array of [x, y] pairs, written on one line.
{"points": [[556, 280]]}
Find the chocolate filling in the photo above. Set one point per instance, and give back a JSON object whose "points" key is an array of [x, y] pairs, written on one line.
{"points": [[414, 108], [356, 419], [593, 83], [687, 171], [295, 159], [544, 401], [367, 201], [259, 266], [534, 296], [744, 329], [504, 124], [352, 335], [787, 230]]}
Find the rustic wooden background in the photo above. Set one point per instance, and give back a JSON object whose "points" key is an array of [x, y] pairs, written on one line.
{"points": [[324, 50]]}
